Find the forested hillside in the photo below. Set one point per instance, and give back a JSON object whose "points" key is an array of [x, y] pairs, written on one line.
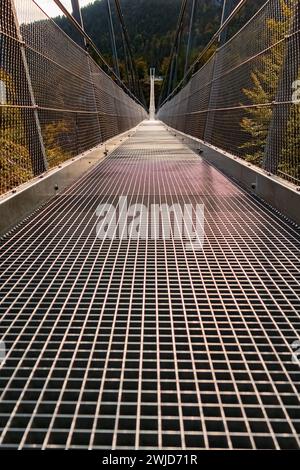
{"points": [[151, 25]]}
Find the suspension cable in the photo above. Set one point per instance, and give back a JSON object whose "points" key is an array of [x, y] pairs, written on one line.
{"points": [[171, 59], [113, 38], [130, 54], [214, 39], [176, 60], [188, 47], [76, 12], [90, 42], [126, 61]]}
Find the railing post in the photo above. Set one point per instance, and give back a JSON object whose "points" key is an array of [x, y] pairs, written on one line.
{"points": [[283, 101], [113, 39], [34, 133], [215, 85], [94, 95], [212, 100], [76, 12]]}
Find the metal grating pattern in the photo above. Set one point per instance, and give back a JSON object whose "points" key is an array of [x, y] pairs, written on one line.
{"points": [[245, 99], [143, 343]]}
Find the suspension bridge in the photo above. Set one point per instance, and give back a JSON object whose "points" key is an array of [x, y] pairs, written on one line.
{"points": [[150, 287]]}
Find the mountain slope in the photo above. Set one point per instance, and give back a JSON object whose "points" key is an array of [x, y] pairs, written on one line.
{"points": [[151, 25]]}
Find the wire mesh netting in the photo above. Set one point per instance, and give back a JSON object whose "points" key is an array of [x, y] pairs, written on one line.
{"points": [[55, 101], [245, 99]]}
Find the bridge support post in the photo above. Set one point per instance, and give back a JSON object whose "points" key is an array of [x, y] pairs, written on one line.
{"points": [[212, 100], [25, 92], [94, 96], [152, 95]]}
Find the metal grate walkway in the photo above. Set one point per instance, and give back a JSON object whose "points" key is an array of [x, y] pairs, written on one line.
{"points": [[145, 343]]}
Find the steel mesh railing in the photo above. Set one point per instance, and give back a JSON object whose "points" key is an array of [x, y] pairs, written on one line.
{"points": [[55, 101], [246, 99]]}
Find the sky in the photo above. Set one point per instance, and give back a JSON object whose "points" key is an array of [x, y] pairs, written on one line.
{"points": [[52, 10], [27, 11]]}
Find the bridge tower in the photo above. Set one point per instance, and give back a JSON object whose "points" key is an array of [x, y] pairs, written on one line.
{"points": [[152, 95]]}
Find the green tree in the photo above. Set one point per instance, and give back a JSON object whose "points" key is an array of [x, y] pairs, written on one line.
{"points": [[265, 79]]}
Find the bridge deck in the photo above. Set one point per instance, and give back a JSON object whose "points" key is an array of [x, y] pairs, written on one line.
{"points": [[151, 343]]}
